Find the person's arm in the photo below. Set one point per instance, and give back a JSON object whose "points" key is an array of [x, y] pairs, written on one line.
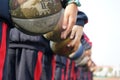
{"points": [[65, 47], [87, 44], [70, 15], [82, 19], [66, 2], [83, 54], [77, 30]]}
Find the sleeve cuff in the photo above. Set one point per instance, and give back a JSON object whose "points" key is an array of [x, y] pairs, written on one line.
{"points": [[82, 18], [80, 22], [77, 2]]}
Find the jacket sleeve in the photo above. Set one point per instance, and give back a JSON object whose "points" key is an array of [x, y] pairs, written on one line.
{"points": [[87, 44], [66, 2], [82, 18], [4, 12]]}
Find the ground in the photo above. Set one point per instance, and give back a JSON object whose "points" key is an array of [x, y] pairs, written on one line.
{"points": [[107, 78]]}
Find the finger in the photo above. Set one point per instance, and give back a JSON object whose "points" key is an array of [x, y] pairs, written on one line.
{"points": [[64, 25], [92, 66], [89, 63], [71, 23], [76, 39], [74, 44], [72, 35], [65, 21], [88, 52]]}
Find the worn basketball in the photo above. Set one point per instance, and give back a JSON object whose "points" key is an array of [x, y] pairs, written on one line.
{"points": [[35, 17]]}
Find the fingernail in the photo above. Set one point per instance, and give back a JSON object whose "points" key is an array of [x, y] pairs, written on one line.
{"points": [[68, 45], [64, 36], [64, 27], [71, 37]]}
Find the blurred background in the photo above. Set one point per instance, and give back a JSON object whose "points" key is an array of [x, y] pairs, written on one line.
{"points": [[103, 29]]}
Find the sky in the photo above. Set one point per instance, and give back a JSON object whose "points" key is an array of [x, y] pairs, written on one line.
{"points": [[103, 29]]}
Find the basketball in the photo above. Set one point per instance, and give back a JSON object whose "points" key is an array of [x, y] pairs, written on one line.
{"points": [[35, 17]]}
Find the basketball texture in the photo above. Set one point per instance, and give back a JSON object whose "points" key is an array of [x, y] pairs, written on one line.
{"points": [[35, 17]]}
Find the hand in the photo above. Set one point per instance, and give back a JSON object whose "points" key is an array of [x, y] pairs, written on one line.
{"points": [[91, 65], [75, 37], [85, 59], [70, 15], [67, 46]]}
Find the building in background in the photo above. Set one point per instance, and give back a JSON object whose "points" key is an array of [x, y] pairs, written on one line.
{"points": [[107, 71]]}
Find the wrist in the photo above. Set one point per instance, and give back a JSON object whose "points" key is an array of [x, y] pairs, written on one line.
{"points": [[76, 2]]}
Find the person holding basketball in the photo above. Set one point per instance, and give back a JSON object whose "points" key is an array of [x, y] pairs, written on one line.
{"points": [[6, 24]]}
